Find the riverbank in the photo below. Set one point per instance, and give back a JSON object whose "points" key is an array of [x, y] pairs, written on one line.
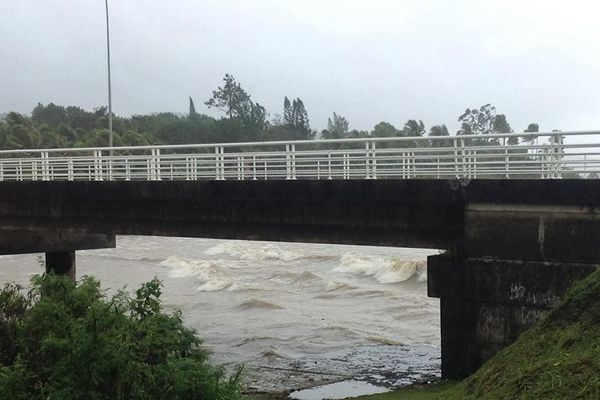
{"points": [[413, 392], [559, 358]]}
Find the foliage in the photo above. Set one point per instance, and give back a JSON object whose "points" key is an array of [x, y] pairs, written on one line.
{"points": [[55, 126], [295, 119], [337, 128], [484, 121], [239, 108], [67, 340]]}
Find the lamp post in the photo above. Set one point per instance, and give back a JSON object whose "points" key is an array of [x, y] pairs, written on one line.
{"points": [[110, 128]]}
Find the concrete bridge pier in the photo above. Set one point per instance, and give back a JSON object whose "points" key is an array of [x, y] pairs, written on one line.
{"points": [[512, 267], [61, 263], [59, 246]]}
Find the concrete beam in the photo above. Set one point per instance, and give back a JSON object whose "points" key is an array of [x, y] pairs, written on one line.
{"points": [[533, 232], [13, 241], [412, 213]]}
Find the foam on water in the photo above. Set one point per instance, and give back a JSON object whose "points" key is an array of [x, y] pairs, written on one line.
{"points": [[286, 306], [384, 269], [252, 251], [210, 273]]}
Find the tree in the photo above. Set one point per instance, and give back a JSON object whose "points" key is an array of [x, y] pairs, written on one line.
{"points": [[484, 121], [68, 340], [295, 119], [337, 128], [413, 128], [439, 131], [533, 127], [238, 106], [384, 129], [287, 113], [51, 114], [501, 125], [193, 113]]}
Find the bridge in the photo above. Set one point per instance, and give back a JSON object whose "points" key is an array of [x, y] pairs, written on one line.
{"points": [[516, 230]]}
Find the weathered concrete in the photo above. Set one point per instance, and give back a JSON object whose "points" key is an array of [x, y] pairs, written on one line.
{"points": [[61, 263], [516, 245], [394, 213], [22, 241], [487, 303]]}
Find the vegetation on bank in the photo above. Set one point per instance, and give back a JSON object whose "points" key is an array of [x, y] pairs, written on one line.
{"points": [[243, 120], [67, 340]]}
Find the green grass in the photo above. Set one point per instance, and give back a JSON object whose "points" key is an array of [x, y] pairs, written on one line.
{"points": [[417, 392]]}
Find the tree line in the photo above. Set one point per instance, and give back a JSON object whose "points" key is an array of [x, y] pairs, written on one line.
{"points": [[243, 120]]}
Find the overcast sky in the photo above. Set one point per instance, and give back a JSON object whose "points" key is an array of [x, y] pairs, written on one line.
{"points": [[370, 61]]}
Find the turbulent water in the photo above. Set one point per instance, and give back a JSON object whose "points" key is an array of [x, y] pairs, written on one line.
{"points": [[295, 314]]}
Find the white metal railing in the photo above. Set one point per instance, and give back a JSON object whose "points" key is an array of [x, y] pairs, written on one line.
{"points": [[501, 156]]}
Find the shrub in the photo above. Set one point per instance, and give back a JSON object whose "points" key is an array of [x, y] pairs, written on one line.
{"points": [[67, 340]]}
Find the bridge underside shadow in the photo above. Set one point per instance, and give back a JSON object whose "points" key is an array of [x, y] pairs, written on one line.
{"points": [[514, 246]]}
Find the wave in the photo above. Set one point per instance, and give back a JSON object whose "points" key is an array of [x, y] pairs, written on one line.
{"points": [[384, 269], [271, 354], [304, 277], [385, 341], [209, 273], [334, 286], [252, 251], [259, 304]]}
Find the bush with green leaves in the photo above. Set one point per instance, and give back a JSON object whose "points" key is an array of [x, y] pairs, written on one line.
{"points": [[67, 340]]}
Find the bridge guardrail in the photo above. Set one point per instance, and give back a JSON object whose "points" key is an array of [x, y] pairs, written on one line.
{"points": [[498, 156]]}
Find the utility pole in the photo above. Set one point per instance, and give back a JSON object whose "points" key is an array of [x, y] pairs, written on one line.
{"points": [[110, 127]]}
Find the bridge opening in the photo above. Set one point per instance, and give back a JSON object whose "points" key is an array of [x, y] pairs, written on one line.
{"points": [[307, 313]]}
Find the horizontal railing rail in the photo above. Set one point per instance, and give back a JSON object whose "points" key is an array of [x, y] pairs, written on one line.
{"points": [[534, 155]]}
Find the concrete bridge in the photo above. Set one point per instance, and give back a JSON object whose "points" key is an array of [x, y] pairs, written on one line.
{"points": [[513, 245]]}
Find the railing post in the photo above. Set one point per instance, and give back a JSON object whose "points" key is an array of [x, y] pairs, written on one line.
{"points": [[98, 165], [462, 157], [370, 160], [346, 166], [318, 170], [329, 165], [455, 145], [1, 171], [558, 155], [70, 170], [127, 170], [290, 161], [34, 173], [254, 167], [373, 161], [219, 163], [506, 159], [156, 175], [293, 148], [45, 166]]}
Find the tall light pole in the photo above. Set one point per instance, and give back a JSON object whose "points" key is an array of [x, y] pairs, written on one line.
{"points": [[110, 128]]}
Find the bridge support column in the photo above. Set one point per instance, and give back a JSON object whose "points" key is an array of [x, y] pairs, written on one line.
{"points": [[486, 304], [61, 263], [514, 264]]}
